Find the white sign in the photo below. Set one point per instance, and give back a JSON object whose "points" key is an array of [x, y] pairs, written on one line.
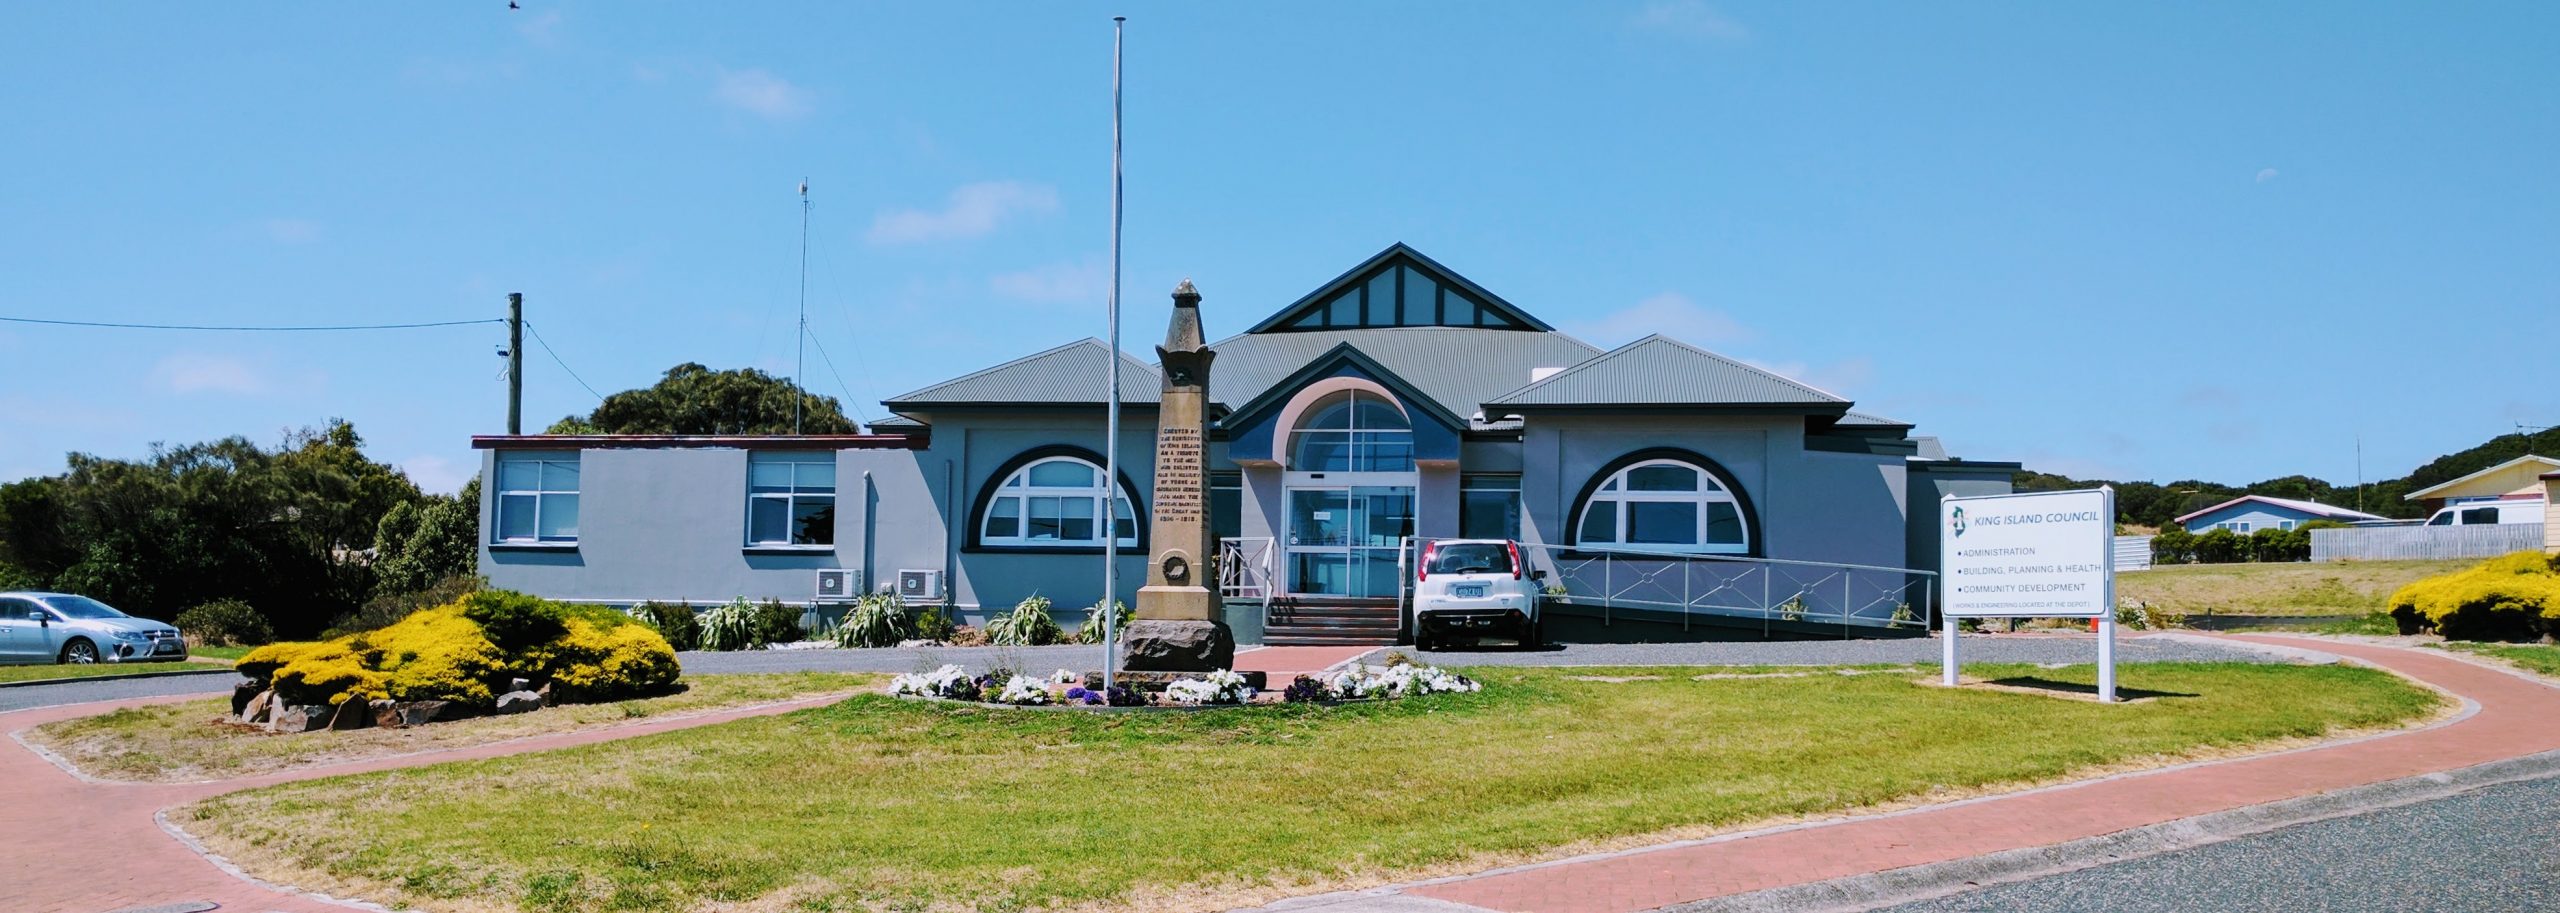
{"points": [[2047, 554]]}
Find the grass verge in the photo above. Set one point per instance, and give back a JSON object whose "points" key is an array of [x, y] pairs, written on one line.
{"points": [[226, 654], [2286, 588], [880, 804], [2539, 659], [51, 671], [190, 741]]}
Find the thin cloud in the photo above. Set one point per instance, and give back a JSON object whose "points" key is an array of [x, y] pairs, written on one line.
{"points": [[1690, 19], [189, 372], [761, 93], [289, 231], [974, 210], [1671, 314], [1837, 378], [2266, 174], [1074, 282], [437, 475], [542, 29]]}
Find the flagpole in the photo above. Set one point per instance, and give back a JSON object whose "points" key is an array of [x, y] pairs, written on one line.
{"points": [[1111, 397]]}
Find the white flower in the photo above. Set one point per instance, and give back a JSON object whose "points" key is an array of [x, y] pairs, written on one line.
{"points": [[1065, 677], [942, 682], [1023, 689], [1223, 686]]}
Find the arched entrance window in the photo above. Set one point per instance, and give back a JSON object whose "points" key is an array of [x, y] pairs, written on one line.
{"points": [[1352, 431], [1665, 505], [1055, 502]]}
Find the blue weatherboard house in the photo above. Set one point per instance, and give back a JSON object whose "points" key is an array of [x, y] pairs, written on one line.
{"points": [[1656, 481], [2249, 513]]}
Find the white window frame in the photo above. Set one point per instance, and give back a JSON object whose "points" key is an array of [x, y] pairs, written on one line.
{"points": [[1712, 489], [791, 497], [1361, 444], [1017, 490], [542, 491]]}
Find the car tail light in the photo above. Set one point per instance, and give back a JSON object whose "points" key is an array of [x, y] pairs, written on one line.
{"points": [[1515, 557], [1422, 570]]}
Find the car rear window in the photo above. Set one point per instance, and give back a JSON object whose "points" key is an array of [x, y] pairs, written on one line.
{"points": [[1470, 558]]}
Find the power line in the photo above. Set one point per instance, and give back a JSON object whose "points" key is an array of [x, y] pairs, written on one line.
{"points": [[555, 358], [249, 329], [840, 384]]}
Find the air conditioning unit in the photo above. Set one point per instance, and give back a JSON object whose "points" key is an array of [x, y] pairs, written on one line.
{"points": [[917, 587], [839, 585]]}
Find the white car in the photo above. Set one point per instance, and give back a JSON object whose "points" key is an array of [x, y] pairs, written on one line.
{"points": [[1470, 589], [2488, 513]]}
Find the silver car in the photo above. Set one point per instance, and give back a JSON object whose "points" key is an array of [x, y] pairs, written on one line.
{"points": [[62, 628]]}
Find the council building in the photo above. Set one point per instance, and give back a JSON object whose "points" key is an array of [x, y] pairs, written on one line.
{"points": [[1397, 402]]}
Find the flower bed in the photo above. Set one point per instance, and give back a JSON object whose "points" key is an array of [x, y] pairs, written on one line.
{"points": [[1220, 688]]}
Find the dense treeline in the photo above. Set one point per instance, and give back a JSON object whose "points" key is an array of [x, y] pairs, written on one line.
{"points": [[306, 533], [2155, 504]]}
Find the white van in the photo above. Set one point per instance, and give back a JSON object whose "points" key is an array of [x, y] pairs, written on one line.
{"points": [[2488, 513]]}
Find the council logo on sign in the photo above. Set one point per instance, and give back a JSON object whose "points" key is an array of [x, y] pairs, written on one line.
{"points": [[1956, 520]]}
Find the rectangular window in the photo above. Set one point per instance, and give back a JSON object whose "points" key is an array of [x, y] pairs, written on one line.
{"points": [[1226, 506], [1662, 523], [1489, 507], [537, 498], [791, 499]]}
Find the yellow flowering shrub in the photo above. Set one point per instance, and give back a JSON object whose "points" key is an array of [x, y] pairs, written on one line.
{"points": [[2511, 597], [447, 653]]}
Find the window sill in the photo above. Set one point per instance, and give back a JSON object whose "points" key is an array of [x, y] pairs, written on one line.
{"points": [[533, 546], [789, 549]]}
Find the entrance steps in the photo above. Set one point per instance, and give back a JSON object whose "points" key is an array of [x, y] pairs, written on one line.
{"points": [[1304, 622]]}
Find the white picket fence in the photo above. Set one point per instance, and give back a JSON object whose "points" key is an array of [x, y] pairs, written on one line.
{"points": [[2133, 553], [2379, 543]]}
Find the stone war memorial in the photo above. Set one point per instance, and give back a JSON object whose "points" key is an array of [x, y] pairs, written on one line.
{"points": [[1178, 631]]}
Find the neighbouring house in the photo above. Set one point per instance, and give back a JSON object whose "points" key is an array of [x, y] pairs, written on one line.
{"points": [[2551, 512], [2249, 513], [1399, 399], [2519, 479]]}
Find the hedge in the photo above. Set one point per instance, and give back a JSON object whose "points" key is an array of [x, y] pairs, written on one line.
{"points": [[469, 651], [2512, 597]]}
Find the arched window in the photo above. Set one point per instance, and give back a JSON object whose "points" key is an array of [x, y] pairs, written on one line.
{"points": [[1352, 431], [1666, 505], [1053, 502]]}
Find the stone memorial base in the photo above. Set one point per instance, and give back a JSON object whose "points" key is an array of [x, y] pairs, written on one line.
{"points": [[1156, 645]]}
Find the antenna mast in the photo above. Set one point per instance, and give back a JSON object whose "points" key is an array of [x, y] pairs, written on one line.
{"points": [[800, 340]]}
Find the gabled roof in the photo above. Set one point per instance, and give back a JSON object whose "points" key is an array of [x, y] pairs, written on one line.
{"points": [[2313, 508], [1466, 304], [1344, 354], [2430, 491], [1857, 419], [1067, 375], [1660, 371], [1457, 368]]}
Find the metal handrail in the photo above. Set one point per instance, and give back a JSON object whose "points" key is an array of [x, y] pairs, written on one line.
{"points": [[1788, 590], [1247, 569]]}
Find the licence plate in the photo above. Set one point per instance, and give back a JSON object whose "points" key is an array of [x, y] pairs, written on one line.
{"points": [[1468, 592]]}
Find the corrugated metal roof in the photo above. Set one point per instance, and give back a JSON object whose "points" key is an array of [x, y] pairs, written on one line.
{"points": [[1660, 371], [1457, 367], [1857, 419], [1069, 374], [2313, 508]]}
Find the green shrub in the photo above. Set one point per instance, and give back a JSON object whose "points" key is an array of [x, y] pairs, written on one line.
{"points": [[1028, 625], [2220, 546], [471, 650], [876, 620], [384, 610], [225, 623], [1091, 631], [730, 627], [13, 577], [776, 623], [2173, 545], [934, 623], [675, 621], [2512, 597]]}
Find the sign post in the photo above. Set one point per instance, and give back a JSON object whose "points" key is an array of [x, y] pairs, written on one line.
{"points": [[2046, 554]]}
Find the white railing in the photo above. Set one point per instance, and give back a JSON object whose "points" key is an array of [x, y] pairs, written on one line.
{"points": [[2381, 543], [1247, 567], [1797, 594]]}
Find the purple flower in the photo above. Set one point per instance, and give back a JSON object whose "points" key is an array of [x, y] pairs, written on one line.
{"points": [[1077, 693]]}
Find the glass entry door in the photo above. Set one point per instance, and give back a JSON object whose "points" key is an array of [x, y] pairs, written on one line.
{"points": [[1343, 540]]}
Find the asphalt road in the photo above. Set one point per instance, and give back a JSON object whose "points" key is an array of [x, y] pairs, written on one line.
{"points": [[1986, 649], [2492, 849]]}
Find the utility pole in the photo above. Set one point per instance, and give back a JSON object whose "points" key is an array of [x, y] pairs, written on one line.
{"points": [[515, 362]]}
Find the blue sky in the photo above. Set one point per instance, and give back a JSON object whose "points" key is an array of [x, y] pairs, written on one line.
{"points": [[2145, 241]]}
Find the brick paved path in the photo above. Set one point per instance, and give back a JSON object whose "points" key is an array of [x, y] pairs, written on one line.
{"points": [[2514, 719], [76, 846]]}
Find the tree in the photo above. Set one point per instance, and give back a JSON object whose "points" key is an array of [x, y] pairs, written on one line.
{"points": [[692, 399], [421, 542]]}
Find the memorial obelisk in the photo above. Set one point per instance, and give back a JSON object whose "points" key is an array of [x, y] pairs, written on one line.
{"points": [[1179, 626]]}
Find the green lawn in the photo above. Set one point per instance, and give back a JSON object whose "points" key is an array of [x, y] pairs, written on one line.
{"points": [[228, 654], [50, 671], [2540, 659], [881, 804], [2284, 588], [191, 741]]}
